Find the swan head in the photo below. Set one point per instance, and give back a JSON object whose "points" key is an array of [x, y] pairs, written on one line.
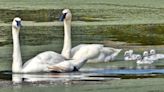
{"points": [[66, 15], [145, 53], [16, 23], [152, 52]]}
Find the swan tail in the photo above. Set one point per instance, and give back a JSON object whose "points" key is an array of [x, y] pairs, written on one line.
{"points": [[116, 53], [111, 53]]}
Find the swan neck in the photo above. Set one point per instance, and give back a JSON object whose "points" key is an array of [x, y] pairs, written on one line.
{"points": [[67, 39], [17, 60]]}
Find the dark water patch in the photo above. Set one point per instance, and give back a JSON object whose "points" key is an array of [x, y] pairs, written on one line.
{"points": [[6, 75], [159, 66]]}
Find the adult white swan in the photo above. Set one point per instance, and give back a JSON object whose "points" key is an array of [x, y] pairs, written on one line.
{"points": [[43, 62], [39, 63], [104, 53]]}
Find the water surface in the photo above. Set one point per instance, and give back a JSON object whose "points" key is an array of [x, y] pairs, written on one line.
{"points": [[125, 24]]}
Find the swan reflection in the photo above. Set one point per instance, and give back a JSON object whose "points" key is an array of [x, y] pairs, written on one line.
{"points": [[51, 77]]}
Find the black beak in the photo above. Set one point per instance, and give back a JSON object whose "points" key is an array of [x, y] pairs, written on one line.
{"points": [[63, 17], [19, 23]]}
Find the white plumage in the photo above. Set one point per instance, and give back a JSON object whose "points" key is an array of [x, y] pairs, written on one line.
{"points": [[39, 63], [129, 55], [143, 61], [156, 56], [43, 62], [104, 53]]}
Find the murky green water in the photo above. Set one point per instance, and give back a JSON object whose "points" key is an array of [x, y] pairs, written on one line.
{"points": [[127, 24], [114, 86]]}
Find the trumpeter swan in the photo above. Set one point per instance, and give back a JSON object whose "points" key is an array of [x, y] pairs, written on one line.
{"points": [[104, 53], [39, 63]]}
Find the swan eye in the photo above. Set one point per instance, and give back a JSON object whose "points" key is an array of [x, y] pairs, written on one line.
{"points": [[63, 17]]}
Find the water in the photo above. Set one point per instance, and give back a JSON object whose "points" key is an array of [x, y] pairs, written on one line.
{"points": [[140, 24], [115, 80], [92, 77]]}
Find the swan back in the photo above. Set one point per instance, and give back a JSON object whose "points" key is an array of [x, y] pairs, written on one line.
{"points": [[41, 62], [87, 52]]}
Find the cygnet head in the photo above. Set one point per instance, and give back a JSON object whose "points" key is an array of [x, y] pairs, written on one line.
{"points": [[152, 52], [16, 23], [126, 53], [145, 53], [130, 52], [66, 15]]}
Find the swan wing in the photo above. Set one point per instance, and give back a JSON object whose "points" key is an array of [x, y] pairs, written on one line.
{"points": [[64, 66], [97, 51], [40, 62], [87, 52]]}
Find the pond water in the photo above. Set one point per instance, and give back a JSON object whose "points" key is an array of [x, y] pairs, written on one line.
{"points": [[92, 80], [100, 76], [92, 77], [136, 25]]}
